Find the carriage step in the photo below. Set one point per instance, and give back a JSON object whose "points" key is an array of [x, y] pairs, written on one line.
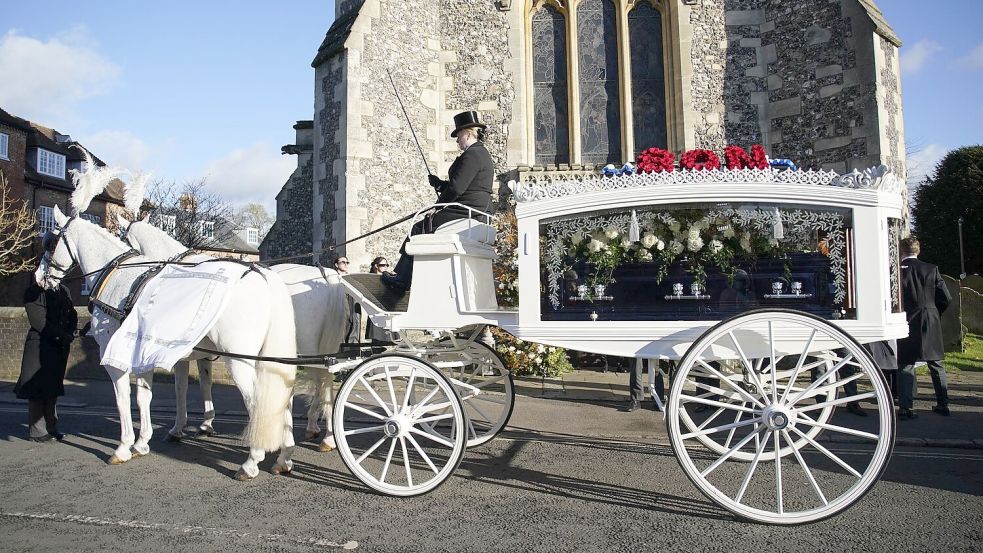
{"points": [[371, 286]]}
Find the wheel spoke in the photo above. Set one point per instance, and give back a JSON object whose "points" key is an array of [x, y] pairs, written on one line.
{"points": [[828, 453], [805, 468], [435, 418], [435, 437], [774, 365], [758, 450], [392, 391], [480, 412], [371, 449], [840, 429], [730, 452], [778, 470], [423, 402], [361, 409], [488, 399], [798, 365], [737, 388], [363, 430], [730, 435], [376, 397], [823, 378], [715, 403], [389, 459], [716, 429], [489, 382], [409, 387], [833, 402], [471, 430], [713, 416], [419, 450], [406, 461]]}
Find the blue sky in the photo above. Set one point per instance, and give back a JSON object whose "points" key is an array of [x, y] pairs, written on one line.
{"points": [[212, 89]]}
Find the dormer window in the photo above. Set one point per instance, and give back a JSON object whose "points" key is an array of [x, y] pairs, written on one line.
{"points": [[4, 140], [166, 223], [51, 164], [207, 229], [252, 236]]}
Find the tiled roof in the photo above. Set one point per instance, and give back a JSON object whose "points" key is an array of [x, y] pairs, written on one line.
{"points": [[14, 121], [334, 40]]}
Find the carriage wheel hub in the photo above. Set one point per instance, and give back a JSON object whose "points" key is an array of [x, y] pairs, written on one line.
{"points": [[778, 418], [392, 428]]}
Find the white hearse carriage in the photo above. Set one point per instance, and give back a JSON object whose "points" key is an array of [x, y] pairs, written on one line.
{"points": [[762, 287]]}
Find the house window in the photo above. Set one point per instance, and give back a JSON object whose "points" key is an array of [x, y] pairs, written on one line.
{"points": [[4, 141], [252, 236], [166, 223], [46, 219], [617, 87], [94, 219], [207, 229], [51, 164]]}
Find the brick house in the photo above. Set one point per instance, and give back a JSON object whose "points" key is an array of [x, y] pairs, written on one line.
{"points": [[35, 160]]}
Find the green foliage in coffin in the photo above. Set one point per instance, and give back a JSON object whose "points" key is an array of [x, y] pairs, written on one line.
{"points": [[954, 190]]}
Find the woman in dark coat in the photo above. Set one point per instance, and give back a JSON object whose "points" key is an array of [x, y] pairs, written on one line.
{"points": [[42, 372]]}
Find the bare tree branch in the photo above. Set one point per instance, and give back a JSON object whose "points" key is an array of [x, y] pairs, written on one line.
{"points": [[190, 212], [17, 230]]}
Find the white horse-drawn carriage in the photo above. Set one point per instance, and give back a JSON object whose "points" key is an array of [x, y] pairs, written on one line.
{"points": [[762, 286]]}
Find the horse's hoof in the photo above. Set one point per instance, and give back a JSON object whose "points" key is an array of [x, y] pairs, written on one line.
{"points": [[115, 460], [137, 454], [280, 470], [311, 436], [206, 432], [326, 447], [171, 438], [242, 476]]}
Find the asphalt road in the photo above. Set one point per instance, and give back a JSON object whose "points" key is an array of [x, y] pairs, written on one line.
{"points": [[556, 481]]}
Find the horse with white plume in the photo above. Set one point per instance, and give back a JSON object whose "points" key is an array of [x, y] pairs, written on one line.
{"points": [[319, 309], [257, 321]]}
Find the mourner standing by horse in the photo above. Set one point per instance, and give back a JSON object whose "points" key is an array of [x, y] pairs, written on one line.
{"points": [[469, 182], [42, 372]]}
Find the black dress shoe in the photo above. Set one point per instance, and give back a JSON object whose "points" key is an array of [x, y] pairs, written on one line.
{"points": [[58, 435], [942, 410], [855, 408], [907, 414], [633, 406], [395, 283], [41, 439]]}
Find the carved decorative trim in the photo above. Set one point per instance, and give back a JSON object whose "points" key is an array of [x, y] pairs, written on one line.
{"points": [[544, 185]]}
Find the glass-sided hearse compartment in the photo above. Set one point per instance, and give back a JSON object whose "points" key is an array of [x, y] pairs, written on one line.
{"points": [[697, 261]]}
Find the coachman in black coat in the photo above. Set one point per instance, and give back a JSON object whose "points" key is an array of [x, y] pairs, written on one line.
{"points": [[53, 322], [925, 298], [469, 182]]}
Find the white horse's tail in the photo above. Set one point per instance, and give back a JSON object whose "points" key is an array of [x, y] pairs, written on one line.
{"points": [[271, 418]]}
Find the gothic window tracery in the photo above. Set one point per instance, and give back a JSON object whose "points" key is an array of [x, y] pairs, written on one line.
{"points": [[590, 60]]}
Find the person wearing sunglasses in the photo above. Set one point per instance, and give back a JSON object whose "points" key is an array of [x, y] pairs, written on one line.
{"points": [[378, 336]]}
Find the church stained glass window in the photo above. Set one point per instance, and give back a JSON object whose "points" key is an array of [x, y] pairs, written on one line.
{"points": [[647, 77], [600, 113], [551, 117]]}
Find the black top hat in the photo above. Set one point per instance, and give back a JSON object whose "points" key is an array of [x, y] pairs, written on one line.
{"points": [[466, 120]]}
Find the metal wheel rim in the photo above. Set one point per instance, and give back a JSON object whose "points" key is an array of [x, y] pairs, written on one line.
{"points": [[873, 460], [489, 411], [399, 425]]}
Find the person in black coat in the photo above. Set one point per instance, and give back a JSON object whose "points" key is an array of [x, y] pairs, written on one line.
{"points": [[925, 298], [469, 182], [42, 372]]}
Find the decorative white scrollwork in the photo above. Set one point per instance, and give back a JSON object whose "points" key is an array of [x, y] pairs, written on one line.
{"points": [[541, 185]]}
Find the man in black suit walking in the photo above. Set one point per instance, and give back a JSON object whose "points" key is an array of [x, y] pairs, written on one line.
{"points": [[469, 182], [925, 298]]}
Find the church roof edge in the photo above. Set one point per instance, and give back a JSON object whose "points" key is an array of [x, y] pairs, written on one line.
{"points": [[334, 39]]}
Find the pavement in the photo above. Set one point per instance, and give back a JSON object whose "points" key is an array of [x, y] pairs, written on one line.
{"points": [[605, 392]]}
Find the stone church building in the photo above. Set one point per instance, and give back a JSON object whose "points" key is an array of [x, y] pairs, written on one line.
{"points": [[567, 86]]}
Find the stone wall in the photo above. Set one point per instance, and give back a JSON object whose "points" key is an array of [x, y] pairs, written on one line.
{"points": [[708, 56], [328, 166], [83, 361], [291, 234]]}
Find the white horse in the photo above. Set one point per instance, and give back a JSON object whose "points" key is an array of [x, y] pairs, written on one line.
{"points": [[258, 321], [319, 310]]}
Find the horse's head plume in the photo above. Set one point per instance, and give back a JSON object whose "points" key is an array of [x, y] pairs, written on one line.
{"points": [[134, 191], [89, 182]]}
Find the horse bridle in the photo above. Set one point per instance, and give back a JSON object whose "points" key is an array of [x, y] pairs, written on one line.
{"points": [[59, 232]]}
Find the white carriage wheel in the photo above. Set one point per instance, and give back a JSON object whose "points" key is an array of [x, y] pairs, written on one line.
{"points": [[791, 477], [725, 393], [399, 425], [477, 364]]}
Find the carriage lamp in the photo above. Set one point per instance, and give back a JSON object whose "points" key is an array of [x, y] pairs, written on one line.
{"points": [[776, 287], [796, 287]]}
